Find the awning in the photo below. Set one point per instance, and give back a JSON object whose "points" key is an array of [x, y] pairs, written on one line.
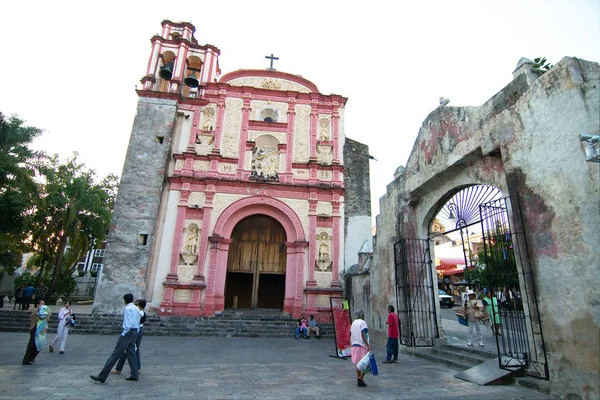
{"points": [[454, 271]]}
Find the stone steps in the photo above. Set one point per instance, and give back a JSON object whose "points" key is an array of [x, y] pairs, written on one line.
{"points": [[454, 356], [238, 323]]}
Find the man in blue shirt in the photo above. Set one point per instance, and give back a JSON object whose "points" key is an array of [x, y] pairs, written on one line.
{"points": [[27, 295], [126, 342]]}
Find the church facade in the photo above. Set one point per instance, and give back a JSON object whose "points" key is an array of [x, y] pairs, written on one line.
{"points": [[234, 191]]}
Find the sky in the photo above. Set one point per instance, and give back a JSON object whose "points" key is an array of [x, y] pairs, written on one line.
{"points": [[71, 67]]}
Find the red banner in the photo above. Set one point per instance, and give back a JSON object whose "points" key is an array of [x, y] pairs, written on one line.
{"points": [[341, 326]]}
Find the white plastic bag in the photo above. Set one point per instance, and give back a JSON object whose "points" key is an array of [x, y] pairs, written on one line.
{"points": [[364, 364]]}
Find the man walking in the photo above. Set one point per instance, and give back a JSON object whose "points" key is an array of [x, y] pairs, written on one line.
{"points": [[393, 333], [126, 342]]}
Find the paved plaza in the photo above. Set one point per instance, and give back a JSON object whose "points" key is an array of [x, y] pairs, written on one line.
{"points": [[221, 368]]}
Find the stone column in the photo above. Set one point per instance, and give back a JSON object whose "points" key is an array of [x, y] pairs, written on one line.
{"points": [[178, 237], [313, 131], [298, 306], [312, 229], [219, 123], [206, 218], [335, 281], [335, 116], [209, 299], [289, 154], [243, 136]]}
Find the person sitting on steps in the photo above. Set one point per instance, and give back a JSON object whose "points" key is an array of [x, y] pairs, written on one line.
{"points": [[301, 327], [312, 327]]}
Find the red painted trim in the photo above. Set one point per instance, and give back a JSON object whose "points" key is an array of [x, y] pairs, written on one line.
{"points": [[269, 74], [254, 125]]}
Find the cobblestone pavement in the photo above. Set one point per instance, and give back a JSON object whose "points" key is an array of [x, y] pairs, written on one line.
{"points": [[221, 368]]}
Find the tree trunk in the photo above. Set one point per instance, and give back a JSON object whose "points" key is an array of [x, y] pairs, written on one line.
{"points": [[62, 244]]}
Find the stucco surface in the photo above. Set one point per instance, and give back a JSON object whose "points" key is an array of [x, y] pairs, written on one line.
{"points": [[525, 141]]}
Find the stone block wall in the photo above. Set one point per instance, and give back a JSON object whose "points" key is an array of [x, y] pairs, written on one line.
{"points": [[134, 220]]}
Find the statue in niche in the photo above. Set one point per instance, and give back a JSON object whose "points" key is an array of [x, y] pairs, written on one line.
{"points": [[324, 129], [191, 243], [209, 114], [323, 261]]}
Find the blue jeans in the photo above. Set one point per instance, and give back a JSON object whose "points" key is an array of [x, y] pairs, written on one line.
{"points": [[392, 349], [298, 330]]}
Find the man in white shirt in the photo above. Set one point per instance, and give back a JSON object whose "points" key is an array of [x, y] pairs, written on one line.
{"points": [[126, 342]]}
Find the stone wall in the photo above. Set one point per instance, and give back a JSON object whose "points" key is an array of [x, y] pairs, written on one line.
{"points": [[127, 259], [357, 200], [525, 141]]}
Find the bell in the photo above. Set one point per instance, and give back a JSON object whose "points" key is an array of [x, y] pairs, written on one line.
{"points": [[166, 71], [191, 80]]}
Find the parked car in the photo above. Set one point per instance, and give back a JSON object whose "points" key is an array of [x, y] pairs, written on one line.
{"points": [[445, 299]]}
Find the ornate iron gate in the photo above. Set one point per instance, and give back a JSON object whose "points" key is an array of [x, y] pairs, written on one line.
{"points": [[520, 341], [414, 285]]}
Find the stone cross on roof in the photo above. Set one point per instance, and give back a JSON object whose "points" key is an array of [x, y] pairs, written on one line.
{"points": [[272, 58]]}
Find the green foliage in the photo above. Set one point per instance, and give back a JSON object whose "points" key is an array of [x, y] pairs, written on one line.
{"points": [[56, 209], [26, 278], [74, 210], [495, 265], [18, 164], [540, 64]]}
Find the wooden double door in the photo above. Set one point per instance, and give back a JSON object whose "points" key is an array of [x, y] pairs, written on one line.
{"points": [[256, 264]]}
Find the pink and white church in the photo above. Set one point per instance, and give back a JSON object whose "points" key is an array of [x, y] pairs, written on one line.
{"points": [[239, 190]]}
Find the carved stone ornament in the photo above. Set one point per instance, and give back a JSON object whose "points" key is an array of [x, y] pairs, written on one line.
{"points": [[204, 144], [189, 259], [324, 154], [271, 84], [265, 163]]}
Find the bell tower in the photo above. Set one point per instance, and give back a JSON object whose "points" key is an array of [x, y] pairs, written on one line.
{"points": [[178, 64]]}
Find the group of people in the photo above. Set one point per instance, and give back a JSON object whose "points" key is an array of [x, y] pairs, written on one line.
{"points": [[482, 310], [38, 327], [128, 344], [25, 294], [305, 327], [361, 343]]}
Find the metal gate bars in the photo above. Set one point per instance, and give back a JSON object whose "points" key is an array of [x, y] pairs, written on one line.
{"points": [[509, 277], [414, 285]]}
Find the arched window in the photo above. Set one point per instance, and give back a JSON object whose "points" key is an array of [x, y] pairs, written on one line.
{"points": [[269, 115]]}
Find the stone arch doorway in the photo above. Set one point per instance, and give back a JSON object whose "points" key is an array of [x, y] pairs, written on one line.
{"points": [[455, 232], [256, 264]]}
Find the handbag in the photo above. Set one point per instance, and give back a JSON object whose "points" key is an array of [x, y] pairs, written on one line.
{"points": [[477, 314], [373, 364]]}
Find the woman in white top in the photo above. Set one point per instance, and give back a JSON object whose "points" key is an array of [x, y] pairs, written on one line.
{"points": [[359, 338], [64, 317]]}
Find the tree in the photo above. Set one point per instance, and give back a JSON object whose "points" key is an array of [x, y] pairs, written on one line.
{"points": [[73, 213], [18, 164], [495, 265], [540, 64]]}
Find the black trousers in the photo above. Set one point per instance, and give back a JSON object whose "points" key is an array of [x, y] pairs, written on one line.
{"points": [[32, 351], [125, 344]]}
